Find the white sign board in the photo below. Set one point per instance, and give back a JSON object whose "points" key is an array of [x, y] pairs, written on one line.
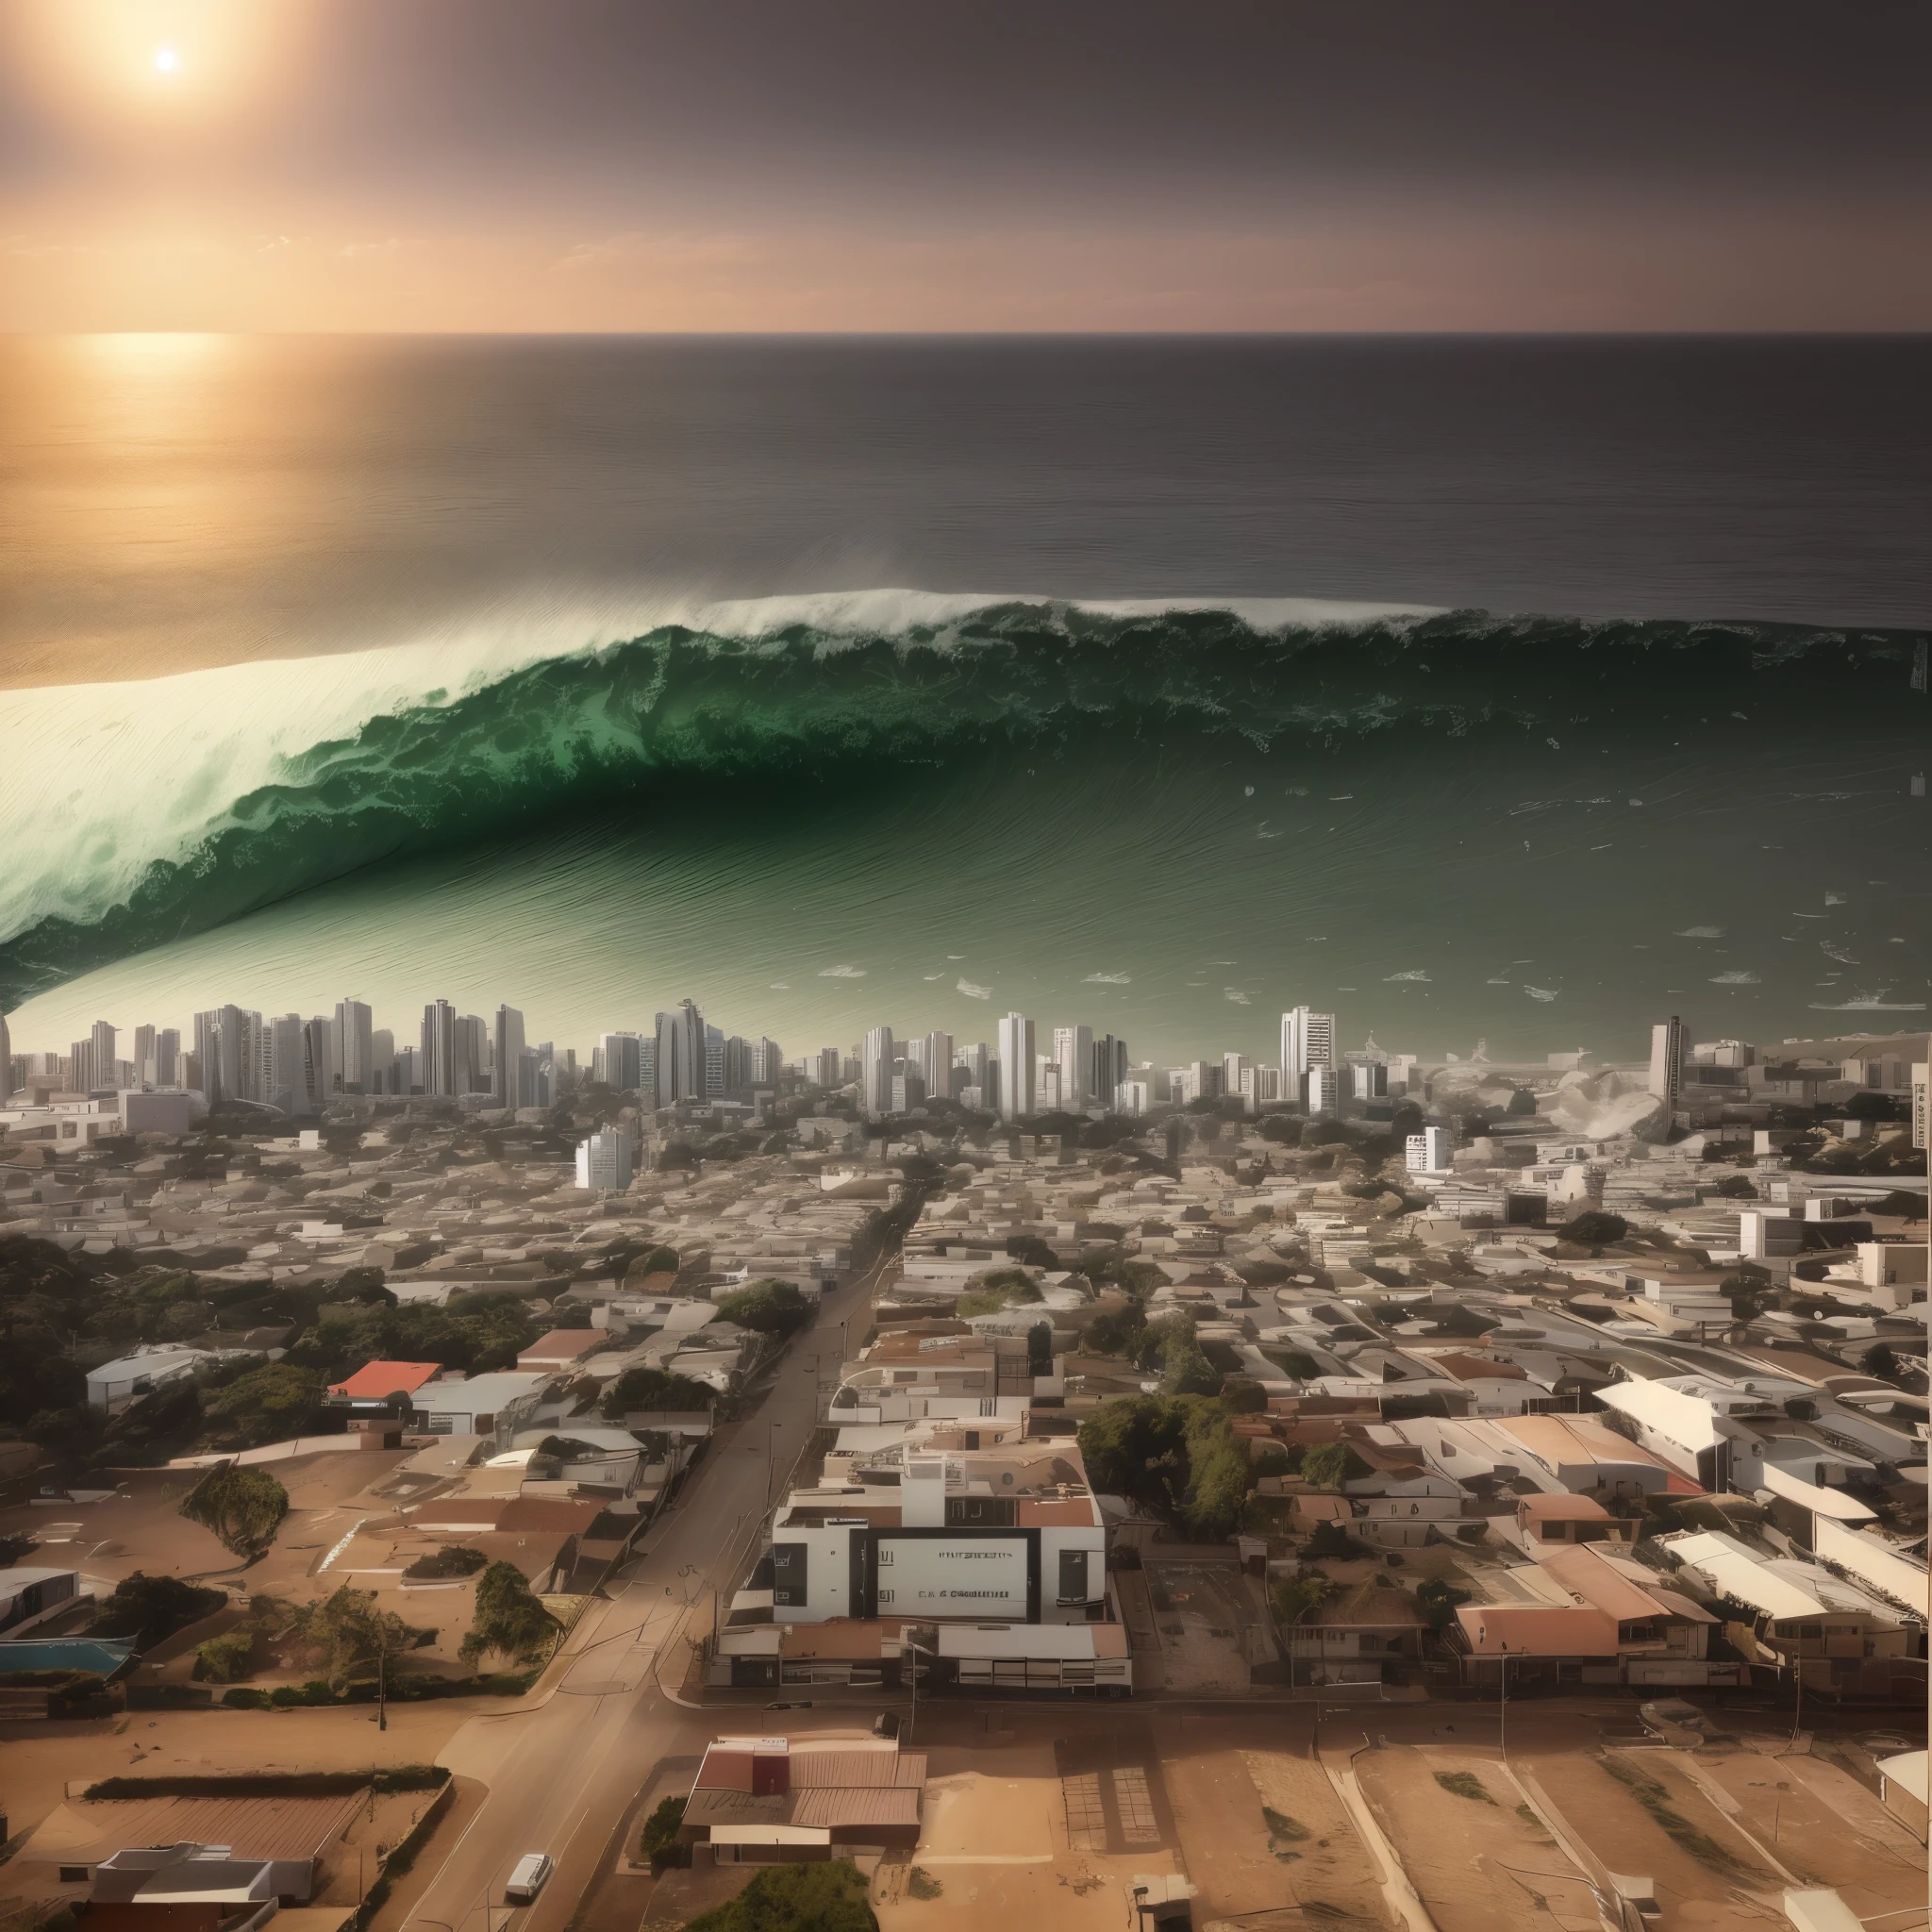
{"points": [[948, 1577]]}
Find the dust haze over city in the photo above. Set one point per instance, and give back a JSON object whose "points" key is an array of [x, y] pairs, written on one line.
{"points": [[963, 966]]}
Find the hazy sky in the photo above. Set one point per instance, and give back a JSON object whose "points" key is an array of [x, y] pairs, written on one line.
{"points": [[866, 164]]}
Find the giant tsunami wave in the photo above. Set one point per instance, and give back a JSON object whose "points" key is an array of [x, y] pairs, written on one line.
{"points": [[141, 813]]}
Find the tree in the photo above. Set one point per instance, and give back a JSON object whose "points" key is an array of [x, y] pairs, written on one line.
{"points": [[1594, 1229], [355, 1631], [1114, 1331], [659, 1843], [645, 1392], [1437, 1599], [1879, 1360], [827, 1895], [508, 1620], [1130, 1447], [146, 1609], [226, 1659], [768, 1308], [1040, 1348], [1308, 1589], [1326, 1464], [243, 1507], [265, 1405]]}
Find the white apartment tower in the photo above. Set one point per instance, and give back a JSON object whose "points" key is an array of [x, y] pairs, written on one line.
{"points": [[1307, 1040], [1073, 1054], [1016, 1051]]}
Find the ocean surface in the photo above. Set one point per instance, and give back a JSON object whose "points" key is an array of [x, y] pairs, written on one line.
{"points": [[1514, 691]]}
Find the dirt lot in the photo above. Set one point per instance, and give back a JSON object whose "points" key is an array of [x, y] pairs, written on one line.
{"points": [[998, 1848], [38, 1761], [1818, 1822], [1251, 1867], [1475, 1852], [1210, 1628], [1699, 1864]]}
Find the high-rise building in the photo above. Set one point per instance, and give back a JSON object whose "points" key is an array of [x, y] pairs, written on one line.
{"points": [[876, 1073], [144, 1056], [680, 1063], [355, 1042], [382, 1060], [1369, 1079], [623, 1062], [1109, 1069], [936, 1065], [1048, 1096], [318, 1063], [1428, 1152], [207, 1053], [766, 1064], [604, 1161], [1016, 1055], [6, 1061], [1307, 1040], [106, 1051], [714, 1063], [440, 1068], [908, 1088], [1667, 1062], [1073, 1054], [506, 1084], [410, 1071], [734, 1067], [829, 1072], [1324, 1089], [1259, 1085], [168, 1068], [973, 1061], [472, 1048], [1233, 1065], [288, 1078]]}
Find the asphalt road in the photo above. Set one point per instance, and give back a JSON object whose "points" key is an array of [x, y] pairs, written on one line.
{"points": [[562, 1772]]}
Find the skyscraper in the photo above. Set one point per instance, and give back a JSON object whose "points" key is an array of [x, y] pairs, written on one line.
{"points": [[6, 1060], [1016, 1051], [680, 1065], [288, 1085], [1667, 1062], [144, 1055], [319, 1063], [766, 1064], [936, 1064], [876, 1073], [355, 1044], [508, 1081], [830, 1070], [1308, 1040], [440, 1050], [1073, 1053], [621, 1055], [1109, 1068], [106, 1051], [168, 1068]]}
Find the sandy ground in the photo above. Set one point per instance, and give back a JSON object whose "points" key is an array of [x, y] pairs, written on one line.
{"points": [[1821, 1824], [1211, 1631], [996, 1842], [1690, 1891], [139, 1528], [40, 1762], [1478, 1861], [1251, 1869]]}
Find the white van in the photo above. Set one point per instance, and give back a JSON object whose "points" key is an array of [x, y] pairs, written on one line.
{"points": [[528, 1879]]}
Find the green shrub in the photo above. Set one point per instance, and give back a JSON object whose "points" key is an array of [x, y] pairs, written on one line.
{"points": [[827, 1896], [243, 1507], [148, 1610], [660, 1844], [509, 1620], [227, 1657]]}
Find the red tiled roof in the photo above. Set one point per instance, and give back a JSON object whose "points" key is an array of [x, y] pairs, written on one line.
{"points": [[375, 1381]]}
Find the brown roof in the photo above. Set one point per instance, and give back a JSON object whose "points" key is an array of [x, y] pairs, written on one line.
{"points": [[562, 1513], [822, 1769], [708, 1805], [1471, 1368], [849, 1806], [1368, 1606], [277, 1827]]}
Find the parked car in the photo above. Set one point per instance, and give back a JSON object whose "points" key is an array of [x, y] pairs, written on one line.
{"points": [[532, 1873]]}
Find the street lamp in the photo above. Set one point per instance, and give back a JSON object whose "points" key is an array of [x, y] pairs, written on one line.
{"points": [[918, 1650]]}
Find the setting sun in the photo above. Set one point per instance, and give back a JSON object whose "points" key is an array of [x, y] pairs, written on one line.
{"points": [[166, 61]]}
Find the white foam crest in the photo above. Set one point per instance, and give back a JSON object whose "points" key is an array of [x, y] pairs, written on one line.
{"points": [[98, 781]]}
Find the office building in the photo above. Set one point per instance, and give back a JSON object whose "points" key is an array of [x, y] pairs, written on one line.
{"points": [[287, 1072], [1324, 1089], [827, 1071], [440, 1050], [604, 1161], [506, 1084], [1016, 1057], [1428, 1152], [318, 1064], [1667, 1062], [876, 1073], [679, 1065], [1368, 1079], [716, 1085], [1109, 1069], [167, 1069], [106, 1051], [1307, 1040], [1259, 1086], [619, 1058], [1072, 1055], [354, 1045], [767, 1065], [908, 1088]]}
